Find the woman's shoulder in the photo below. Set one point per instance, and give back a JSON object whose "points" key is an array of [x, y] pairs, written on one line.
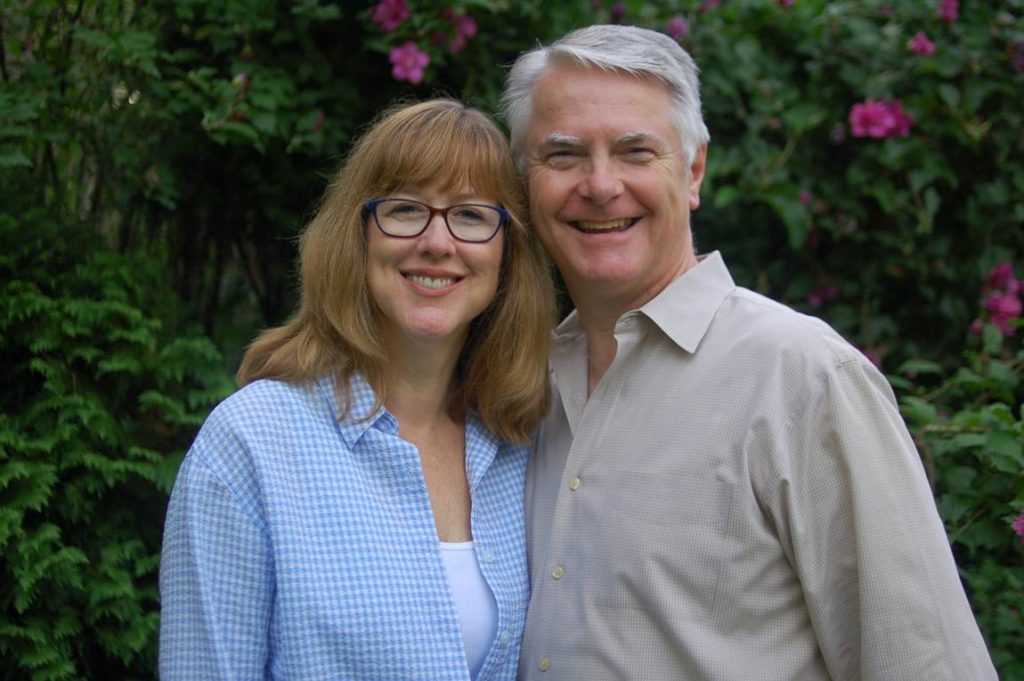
{"points": [[261, 411], [266, 401]]}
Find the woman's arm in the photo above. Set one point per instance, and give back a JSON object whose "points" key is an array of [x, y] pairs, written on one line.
{"points": [[216, 581]]}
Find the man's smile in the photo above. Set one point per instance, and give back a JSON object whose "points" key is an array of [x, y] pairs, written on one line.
{"points": [[593, 226]]}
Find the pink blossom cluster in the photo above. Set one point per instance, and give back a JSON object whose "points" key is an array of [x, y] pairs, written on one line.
{"points": [[389, 14], [920, 44], [819, 295], [880, 119], [408, 62], [465, 28], [678, 27], [1018, 527], [949, 10], [1001, 299]]}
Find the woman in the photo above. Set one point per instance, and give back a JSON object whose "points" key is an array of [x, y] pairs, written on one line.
{"points": [[355, 510]]}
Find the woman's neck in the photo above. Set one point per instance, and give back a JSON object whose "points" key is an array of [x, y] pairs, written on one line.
{"points": [[420, 380]]}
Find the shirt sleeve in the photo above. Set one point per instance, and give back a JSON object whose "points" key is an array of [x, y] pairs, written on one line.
{"points": [[216, 580], [859, 522]]}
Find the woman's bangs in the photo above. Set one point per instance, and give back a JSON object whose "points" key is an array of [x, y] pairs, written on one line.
{"points": [[450, 160]]}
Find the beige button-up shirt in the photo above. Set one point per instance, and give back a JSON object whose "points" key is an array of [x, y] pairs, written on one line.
{"points": [[739, 499]]}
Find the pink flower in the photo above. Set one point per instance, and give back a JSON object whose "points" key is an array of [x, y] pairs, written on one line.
{"points": [[1018, 527], [821, 294], [1004, 305], [465, 28], [805, 197], [618, 12], [709, 5], [1001, 300], [1004, 309], [389, 14], [677, 27], [949, 10], [920, 44], [785, 3], [880, 119], [1002, 277], [408, 62]]}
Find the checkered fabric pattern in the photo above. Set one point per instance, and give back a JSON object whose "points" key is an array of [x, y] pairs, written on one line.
{"points": [[299, 545]]}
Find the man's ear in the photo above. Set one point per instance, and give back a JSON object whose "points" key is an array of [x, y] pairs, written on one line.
{"points": [[697, 175]]}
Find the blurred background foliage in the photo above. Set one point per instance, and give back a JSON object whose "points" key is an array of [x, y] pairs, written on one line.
{"points": [[158, 159]]}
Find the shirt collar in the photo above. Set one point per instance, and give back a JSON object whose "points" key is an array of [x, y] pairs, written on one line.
{"points": [[481, 444], [685, 308], [362, 400]]}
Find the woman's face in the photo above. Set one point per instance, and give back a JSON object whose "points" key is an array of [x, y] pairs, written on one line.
{"points": [[431, 286]]}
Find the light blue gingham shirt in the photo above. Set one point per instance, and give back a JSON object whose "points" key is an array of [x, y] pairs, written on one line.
{"points": [[299, 545]]}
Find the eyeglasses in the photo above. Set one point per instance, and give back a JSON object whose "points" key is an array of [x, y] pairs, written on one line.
{"points": [[405, 218]]}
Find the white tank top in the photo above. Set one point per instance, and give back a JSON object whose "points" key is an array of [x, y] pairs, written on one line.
{"points": [[478, 611]]}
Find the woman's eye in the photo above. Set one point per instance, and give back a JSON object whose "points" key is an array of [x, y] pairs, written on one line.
{"points": [[469, 215], [404, 210]]}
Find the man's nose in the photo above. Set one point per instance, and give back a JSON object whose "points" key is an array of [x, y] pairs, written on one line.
{"points": [[601, 183]]}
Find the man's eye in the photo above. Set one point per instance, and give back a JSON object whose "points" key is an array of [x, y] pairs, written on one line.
{"points": [[561, 158], [639, 154]]}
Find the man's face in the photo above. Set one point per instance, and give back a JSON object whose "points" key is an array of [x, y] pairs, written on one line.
{"points": [[610, 189]]}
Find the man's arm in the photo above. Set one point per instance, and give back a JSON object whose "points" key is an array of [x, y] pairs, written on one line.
{"points": [[859, 522]]}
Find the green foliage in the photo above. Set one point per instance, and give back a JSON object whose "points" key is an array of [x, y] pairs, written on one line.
{"points": [[970, 431], [99, 402], [158, 159]]}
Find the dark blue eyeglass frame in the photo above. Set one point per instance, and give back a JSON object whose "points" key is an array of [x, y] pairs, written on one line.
{"points": [[370, 208]]}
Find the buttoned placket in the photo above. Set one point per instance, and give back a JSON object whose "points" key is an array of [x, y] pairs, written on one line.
{"points": [[587, 418]]}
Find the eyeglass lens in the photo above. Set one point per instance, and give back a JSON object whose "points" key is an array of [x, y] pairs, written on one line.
{"points": [[468, 222]]}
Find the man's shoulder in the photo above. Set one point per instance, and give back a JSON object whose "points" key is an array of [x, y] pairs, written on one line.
{"points": [[762, 325]]}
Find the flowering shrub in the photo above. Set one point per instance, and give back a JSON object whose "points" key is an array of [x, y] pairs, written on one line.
{"points": [[866, 165]]}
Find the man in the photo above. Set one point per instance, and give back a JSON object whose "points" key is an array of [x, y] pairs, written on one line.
{"points": [[724, 488]]}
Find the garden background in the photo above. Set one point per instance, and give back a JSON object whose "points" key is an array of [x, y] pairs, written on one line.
{"points": [[158, 158]]}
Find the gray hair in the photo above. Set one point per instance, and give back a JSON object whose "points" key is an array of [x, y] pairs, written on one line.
{"points": [[627, 49]]}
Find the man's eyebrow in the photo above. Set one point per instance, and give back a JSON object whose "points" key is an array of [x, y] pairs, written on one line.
{"points": [[637, 138], [557, 139]]}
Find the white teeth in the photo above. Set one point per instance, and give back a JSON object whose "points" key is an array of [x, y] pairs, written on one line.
{"points": [[430, 282], [591, 226]]}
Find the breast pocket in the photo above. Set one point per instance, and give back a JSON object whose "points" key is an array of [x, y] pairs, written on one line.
{"points": [[662, 547]]}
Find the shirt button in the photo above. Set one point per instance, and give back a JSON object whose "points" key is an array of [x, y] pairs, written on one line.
{"points": [[488, 556], [505, 637], [545, 664], [574, 484], [558, 572]]}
